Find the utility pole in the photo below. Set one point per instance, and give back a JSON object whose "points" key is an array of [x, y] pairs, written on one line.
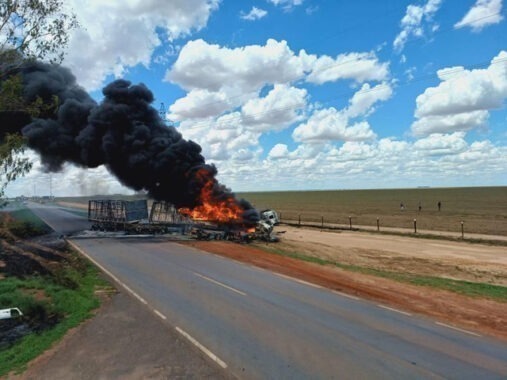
{"points": [[162, 111], [50, 185]]}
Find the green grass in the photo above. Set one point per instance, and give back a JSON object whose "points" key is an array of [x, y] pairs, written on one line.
{"points": [[69, 294], [471, 289], [27, 224], [73, 305]]}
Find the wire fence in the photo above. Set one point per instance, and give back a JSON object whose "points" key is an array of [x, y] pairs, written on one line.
{"points": [[353, 223]]}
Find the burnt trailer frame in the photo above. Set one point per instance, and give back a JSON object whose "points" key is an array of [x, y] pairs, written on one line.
{"points": [[114, 215]]}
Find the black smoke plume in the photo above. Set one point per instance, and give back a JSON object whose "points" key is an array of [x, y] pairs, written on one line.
{"points": [[124, 133]]}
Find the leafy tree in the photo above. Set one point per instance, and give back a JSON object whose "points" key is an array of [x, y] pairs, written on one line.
{"points": [[29, 30]]}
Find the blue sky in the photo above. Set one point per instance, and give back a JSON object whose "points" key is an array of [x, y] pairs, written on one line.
{"points": [[308, 94]]}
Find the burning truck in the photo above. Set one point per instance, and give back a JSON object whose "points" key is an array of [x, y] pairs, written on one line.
{"points": [[125, 134], [132, 217]]}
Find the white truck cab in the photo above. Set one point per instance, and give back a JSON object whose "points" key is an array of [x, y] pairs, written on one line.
{"points": [[270, 216]]}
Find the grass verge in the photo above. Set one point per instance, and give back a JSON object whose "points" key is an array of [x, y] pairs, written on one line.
{"points": [[26, 224], [53, 286], [70, 306], [471, 289]]}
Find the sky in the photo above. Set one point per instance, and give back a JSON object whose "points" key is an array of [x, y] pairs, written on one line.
{"points": [[306, 94]]}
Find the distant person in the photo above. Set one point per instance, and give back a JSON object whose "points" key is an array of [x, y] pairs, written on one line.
{"points": [[439, 204], [402, 206], [420, 207]]}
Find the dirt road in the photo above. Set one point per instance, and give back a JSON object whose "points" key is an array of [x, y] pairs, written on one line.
{"points": [[457, 260]]}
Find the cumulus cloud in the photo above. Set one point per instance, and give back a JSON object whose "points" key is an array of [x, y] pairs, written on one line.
{"points": [[198, 104], [254, 14], [239, 70], [438, 144], [482, 14], [98, 48], [363, 100], [360, 67], [331, 125], [281, 107], [431, 160], [222, 138], [464, 121], [278, 151], [414, 22], [463, 98]]}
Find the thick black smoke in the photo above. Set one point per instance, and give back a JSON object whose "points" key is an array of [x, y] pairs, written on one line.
{"points": [[124, 133]]}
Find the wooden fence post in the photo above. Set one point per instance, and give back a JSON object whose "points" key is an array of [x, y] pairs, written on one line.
{"points": [[378, 224], [462, 230], [350, 222], [415, 226], [322, 221]]}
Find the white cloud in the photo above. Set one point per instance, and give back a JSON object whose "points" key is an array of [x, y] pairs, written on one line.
{"points": [[437, 160], [278, 151], [236, 71], [286, 4], [412, 24], [438, 144], [281, 107], [332, 125], [199, 104], [223, 138], [464, 121], [482, 14], [254, 14], [463, 99], [364, 99], [360, 67], [99, 49]]}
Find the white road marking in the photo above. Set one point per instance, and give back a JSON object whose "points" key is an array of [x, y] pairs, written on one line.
{"points": [[134, 293], [395, 310], [213, 357], [457, 329], [160, 314], [345, 295], [298, 280], [219, 283]]}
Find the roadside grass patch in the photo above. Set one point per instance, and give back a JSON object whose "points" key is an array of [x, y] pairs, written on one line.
{"points": [[50, 318], [55, 292], [25, 224], [471, 289]]}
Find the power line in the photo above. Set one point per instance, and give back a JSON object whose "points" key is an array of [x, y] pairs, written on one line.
{"points": [[335, 64], [348, 94]]}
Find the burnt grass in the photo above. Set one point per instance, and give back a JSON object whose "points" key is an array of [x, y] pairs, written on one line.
{"points": [[23, 267], [53, 286]]}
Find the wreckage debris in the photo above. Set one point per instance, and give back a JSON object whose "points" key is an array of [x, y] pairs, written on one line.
{"points": [[131, 217]]}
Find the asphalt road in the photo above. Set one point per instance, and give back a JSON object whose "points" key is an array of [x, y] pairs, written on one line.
{"points": [[263, 326]]}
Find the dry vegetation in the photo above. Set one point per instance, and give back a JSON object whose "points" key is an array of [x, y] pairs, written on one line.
{"points": [[483, 209]]}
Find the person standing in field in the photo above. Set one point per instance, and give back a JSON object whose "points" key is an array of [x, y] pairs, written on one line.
{"points": [[439, 204]]}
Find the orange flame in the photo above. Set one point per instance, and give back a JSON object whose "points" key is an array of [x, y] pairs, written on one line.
{"points": [[212, 209]]}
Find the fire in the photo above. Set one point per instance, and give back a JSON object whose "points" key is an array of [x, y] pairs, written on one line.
{"points": [[212, 209]]}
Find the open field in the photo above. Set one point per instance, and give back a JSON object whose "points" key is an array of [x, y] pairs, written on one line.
{"points": [[483, 209]]}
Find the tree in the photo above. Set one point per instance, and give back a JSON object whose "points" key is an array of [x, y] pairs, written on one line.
{"points": [[29, 30]]}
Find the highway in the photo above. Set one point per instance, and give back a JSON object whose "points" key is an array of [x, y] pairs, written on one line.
{"points": [[260, 325]]}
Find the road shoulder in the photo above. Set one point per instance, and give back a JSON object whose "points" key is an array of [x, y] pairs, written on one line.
{"points": [[125, 340]]}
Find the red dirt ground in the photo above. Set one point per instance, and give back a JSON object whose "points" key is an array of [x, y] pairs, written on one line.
{"points": [[481, 315]]}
